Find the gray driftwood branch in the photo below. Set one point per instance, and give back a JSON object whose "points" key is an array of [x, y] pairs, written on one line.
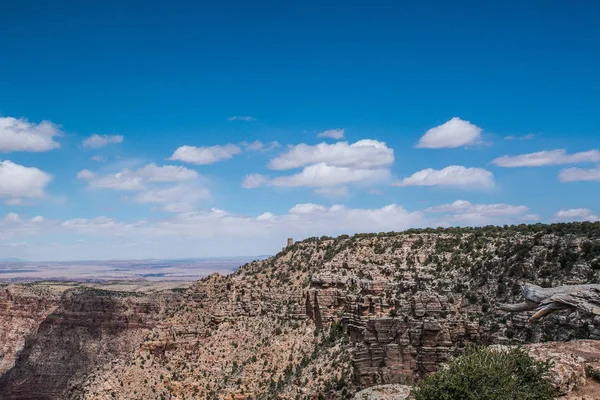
{"points": [[547, 300]]}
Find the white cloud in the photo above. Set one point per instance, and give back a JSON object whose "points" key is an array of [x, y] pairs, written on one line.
{"points": [[96, 141], [579, 174], [17, 181], [451, 134], [454, 175], [324, 175], [125, 180], [167, 173], [257, 145], [329, 167], [136, 180], [254, 180], [22, 135], [245, 118], [550, 157], [302, 220], [364, 154], [307, 208], [149, 181], [576, 214], [85, 174], [205, 154], [318, 176], [98, 159], [332, 133], [463, 212], [216, 232]]}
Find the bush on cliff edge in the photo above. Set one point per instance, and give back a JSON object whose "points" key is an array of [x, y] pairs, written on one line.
{"points": [[485, 374]]}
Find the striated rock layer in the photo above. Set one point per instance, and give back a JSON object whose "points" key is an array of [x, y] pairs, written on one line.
{"points": [[22, 309]]}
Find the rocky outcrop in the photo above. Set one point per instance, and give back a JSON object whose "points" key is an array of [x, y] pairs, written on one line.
{"points": [[384, 392], [22, 309], [574, 372]]}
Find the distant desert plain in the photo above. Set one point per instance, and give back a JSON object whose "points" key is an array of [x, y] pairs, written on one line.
{"points": [[129, 275]]}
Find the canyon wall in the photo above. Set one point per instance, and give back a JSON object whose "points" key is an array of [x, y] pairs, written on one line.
{"points": [[324, 317]]}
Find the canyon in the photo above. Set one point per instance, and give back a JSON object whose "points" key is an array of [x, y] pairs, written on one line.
{"points": [[324, 318]]}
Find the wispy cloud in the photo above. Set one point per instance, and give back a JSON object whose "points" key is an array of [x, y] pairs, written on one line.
{"points": [[451, 176], [547, 157], [579, 174], [246, 118], [529, 136]]}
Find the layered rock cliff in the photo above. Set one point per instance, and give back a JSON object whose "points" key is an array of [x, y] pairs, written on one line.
{"points": [[22, 309], [85, 329], [324, 317]]}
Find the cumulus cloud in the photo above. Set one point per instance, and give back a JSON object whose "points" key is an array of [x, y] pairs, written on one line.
{"points": [[579, 174], [549, 157], [576, 214], [329, 167], [136, 179], [205, 154], [318, 176], [332, 133], [364, 154], [245, 118], [22, 135], [454, 176], [149, 181], [451, 134], [96, 141], [324, 175], [18, 181]]}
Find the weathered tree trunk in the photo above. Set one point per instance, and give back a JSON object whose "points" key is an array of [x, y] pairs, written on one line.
{"points": [[547, 300]]}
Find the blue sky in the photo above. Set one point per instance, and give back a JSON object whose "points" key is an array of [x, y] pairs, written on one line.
{"points": [[419, 102]]}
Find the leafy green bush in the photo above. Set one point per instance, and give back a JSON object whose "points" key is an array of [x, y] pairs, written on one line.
{"points": [[485, 374]]}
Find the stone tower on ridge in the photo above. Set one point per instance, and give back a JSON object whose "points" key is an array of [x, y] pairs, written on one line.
{"points": [[290, 242]]}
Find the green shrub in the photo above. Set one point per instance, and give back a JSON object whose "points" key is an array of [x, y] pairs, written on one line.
{"points": [[484, 374]]}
